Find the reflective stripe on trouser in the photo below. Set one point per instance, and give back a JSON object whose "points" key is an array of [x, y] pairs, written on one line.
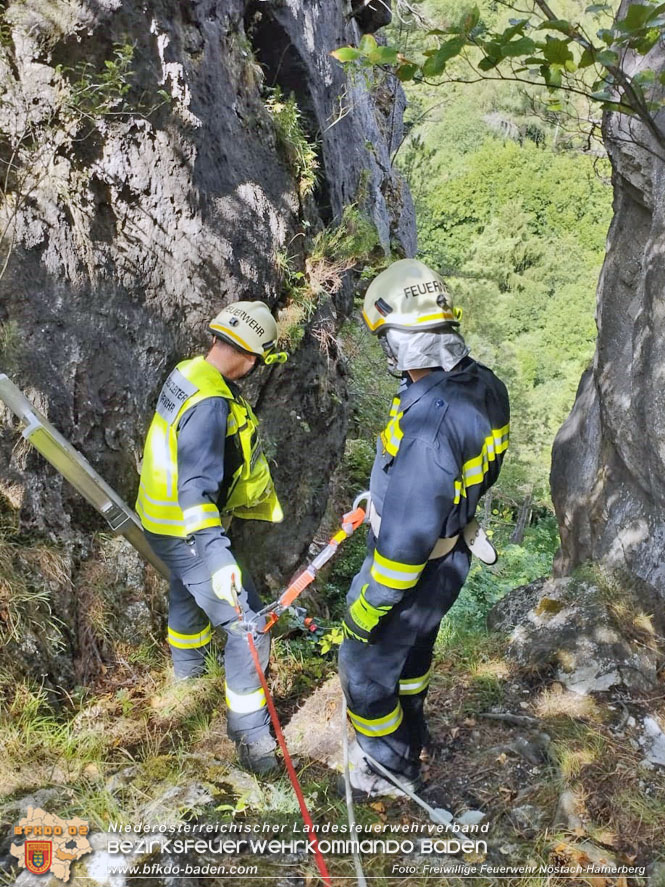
{"points": [[399, 658], [193, 606]]}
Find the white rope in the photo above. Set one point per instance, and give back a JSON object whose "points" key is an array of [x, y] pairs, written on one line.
{"points": [[442, 817], [349, 797]]}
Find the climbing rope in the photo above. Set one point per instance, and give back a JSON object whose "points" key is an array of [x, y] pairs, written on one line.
{"points": [[290, 769], [357, 864], [350, 522]]}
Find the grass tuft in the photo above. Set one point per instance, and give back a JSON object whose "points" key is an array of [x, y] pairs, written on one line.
{"points": [[300, 153]]}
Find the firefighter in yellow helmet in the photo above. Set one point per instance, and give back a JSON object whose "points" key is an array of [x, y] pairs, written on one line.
{"points": [[203, 465], [441, 449]]}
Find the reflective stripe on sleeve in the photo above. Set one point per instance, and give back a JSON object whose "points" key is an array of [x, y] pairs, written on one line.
{"points": [[198, 517], [474, 470], [190, 641], [413, 686], [392, 434], [148, 517], [378, 726], [393, 573], [245, 703], [163, 503]]}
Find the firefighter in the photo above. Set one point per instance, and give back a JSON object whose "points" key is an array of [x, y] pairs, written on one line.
{"points": [[202, 465], [440, 451]]}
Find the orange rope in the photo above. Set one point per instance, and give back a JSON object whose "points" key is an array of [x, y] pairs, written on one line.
{"points": [[318, 856]]}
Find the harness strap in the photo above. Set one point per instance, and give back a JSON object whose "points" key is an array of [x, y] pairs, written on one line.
{"points": [[443, 546]]}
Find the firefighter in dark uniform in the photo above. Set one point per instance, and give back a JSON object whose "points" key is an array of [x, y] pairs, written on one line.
{"points": [[203, 465], [440, 451]]}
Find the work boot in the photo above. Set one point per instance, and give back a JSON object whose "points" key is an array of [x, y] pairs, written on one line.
{"points": [[258, 756], [366, 783]]}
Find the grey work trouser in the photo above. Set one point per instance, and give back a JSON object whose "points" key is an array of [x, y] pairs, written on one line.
{"points": [[386, 682], [194, 612]]}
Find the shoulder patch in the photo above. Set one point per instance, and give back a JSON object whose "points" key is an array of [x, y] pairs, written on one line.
{"points": [[175, 391]]}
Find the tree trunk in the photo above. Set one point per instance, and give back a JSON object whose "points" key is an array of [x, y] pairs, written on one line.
{"points": [[523, 520], [487, 511]]}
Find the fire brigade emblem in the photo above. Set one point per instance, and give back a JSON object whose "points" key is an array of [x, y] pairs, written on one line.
{"points": [[50, 844], [38, 856]]}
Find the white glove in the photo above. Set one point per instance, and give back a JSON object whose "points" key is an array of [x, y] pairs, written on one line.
{"points": [[227, 583]]}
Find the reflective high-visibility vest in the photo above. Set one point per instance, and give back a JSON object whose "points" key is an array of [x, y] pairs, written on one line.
{"points": [[251, 492]]}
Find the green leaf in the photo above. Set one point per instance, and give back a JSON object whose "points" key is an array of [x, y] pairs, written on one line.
{"points": [[587, 59], [407, 72], [598, 7], [346, 54], [606, 36], [557, 51], [551, 74], [560, 24], [607, 57], [437, 62], [383, 55], [470, 20], [367, 44], [492, 49], [517, 27], [487, 63], [522, 46], [637, 16], [642, 43]]}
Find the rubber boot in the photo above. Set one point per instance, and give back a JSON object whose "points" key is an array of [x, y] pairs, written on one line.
{"points": [[258, 756], [366, 783]]}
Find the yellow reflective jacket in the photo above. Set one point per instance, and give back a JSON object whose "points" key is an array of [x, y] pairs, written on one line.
{"points": [[251, 492]]}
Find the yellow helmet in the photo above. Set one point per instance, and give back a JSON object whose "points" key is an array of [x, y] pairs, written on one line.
{"points": [[408, 296], [250, 327]]}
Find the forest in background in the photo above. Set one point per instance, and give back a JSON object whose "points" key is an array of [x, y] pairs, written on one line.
{"points": [[513, 202]]}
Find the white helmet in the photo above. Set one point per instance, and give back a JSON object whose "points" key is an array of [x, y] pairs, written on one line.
{"points": [[250, 327], [408, 296]]}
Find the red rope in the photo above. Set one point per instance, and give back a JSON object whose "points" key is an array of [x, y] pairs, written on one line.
{"points": [[318, 856]]}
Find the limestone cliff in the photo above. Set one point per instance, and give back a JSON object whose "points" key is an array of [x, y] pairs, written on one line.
{"points": [[147, 185], [608, 468], [147, 221]]}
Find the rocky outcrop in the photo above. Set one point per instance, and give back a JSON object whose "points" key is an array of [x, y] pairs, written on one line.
{"points": [[150, 208], [608, 466], [590, 634]]}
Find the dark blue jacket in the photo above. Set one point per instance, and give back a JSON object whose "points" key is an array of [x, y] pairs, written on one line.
{"points": [[441, 450]]}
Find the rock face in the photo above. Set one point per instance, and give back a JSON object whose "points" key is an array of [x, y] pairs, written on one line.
{"points": [[142, 217], [592, 634], [608, 468]]}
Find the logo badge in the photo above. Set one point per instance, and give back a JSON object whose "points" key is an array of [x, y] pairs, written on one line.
{"points": [[38, 856]]}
